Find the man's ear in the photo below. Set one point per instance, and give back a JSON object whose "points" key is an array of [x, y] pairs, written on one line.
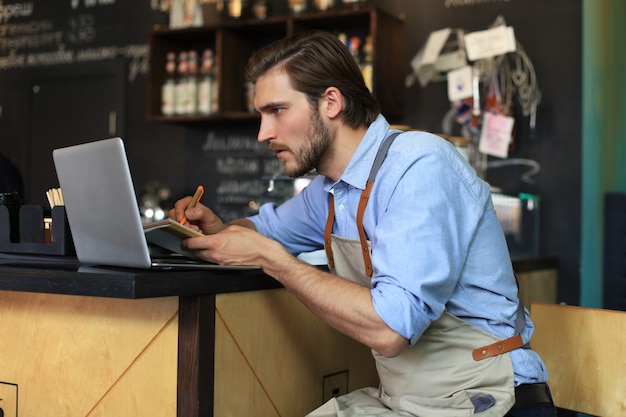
{"points": [[332, 102]]}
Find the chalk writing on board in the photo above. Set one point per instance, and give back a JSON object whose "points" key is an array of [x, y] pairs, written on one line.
{"points": [[21, 43], [272, 167], [9, 11], [239, 190], [232, 142], [461, 3], [238, 166], [81, 29], [35, 34], [138, 55], [92, 3]]}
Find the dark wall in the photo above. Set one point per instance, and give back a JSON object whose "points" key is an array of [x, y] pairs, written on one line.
{"points": [[551, 35], [63, 67], [63, 48]]}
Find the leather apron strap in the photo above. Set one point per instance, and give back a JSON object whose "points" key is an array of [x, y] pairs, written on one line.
{"points": [[365, 195], [506, 345]]}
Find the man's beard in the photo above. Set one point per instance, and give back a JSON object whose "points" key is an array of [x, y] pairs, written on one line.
{"points": [[317, 144]]}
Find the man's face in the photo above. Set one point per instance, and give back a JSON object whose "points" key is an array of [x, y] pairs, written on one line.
{"points": [[292, 129]]}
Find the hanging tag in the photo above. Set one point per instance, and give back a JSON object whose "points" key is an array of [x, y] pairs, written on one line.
{"points": [[495, 135], [423, 63], [489, 43], [460, 83], [449, 61], [476, 92]]}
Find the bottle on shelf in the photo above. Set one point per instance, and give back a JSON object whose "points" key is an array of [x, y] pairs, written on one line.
{"points": [[297, 6], [192, 83], [354, 45], [205, 87], [367, 67], [249, 97], [180, 106], [168, 90], [343, 38], [237, 9], [215, 92], [260, 9], [324, 5]]}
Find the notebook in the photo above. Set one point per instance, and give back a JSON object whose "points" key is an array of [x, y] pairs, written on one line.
{"points": [[103, 212]]}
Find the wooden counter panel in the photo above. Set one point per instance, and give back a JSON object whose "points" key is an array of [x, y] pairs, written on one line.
{"points": [[148, 386], [539, 286], [79, 356], [584, 351], [272, 353]]}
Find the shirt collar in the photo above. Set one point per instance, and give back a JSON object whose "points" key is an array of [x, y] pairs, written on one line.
{"points": [[358, 169]]}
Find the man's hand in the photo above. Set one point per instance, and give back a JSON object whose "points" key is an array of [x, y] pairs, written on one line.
{"points": [[235, 245], [198, 218]]}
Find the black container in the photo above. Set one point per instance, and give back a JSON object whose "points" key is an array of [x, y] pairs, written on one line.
{"points": [[13, 202], [32, 232]]}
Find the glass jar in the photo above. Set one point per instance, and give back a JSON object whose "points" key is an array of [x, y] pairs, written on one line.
{"points": [[297, 6], [238, 9], [324, 4], [259, 9]]}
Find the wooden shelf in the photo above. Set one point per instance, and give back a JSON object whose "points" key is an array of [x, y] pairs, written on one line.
{"points": [[234, 41], [212, 118]]}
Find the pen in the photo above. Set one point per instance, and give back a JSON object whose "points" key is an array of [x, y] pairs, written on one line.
{"points": [[194, 200]]}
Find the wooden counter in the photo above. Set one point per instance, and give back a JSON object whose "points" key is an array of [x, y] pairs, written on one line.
{"points": [[95, 341], [87, 341]]}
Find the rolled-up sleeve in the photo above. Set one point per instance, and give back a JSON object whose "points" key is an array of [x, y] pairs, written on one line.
{"points": [[426, 212], [296, 224]]}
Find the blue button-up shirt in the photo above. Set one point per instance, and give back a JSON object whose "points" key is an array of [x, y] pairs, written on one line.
{"points": [[436, 241]]}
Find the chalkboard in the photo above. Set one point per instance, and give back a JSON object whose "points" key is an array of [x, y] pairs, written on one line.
{"points": [[235, 170], [45, 33], [59, 43]]}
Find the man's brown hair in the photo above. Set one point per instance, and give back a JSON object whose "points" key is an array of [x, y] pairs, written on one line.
{"points": [[314, 61]]}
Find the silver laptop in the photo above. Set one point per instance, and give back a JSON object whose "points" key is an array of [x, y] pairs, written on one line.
{"points": [[102, 208]]}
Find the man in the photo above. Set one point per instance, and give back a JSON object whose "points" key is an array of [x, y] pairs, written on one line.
{"points": [[420, 270]]}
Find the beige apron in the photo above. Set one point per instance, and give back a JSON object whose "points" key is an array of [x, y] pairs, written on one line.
{"points": [[452, 363]]}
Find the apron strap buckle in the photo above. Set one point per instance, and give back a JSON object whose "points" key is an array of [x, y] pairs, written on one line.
{"points": [[498, 348]]}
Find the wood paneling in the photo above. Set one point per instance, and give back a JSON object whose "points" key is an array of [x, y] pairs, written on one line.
{"points": [[87, 356], [538, 286], [272, 353], [583, 349]]}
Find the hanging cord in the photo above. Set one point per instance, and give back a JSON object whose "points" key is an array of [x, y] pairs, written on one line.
{"points": [[526, 176], [517, 75]]}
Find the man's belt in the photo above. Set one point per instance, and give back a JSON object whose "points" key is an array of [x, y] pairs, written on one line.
{"points": [[526, 394]]}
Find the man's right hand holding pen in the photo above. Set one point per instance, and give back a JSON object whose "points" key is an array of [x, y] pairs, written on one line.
{"points": [[191, 213], [236, 243]]}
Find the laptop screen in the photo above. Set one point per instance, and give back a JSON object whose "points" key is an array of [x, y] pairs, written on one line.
{"points": [[101, 204]]}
